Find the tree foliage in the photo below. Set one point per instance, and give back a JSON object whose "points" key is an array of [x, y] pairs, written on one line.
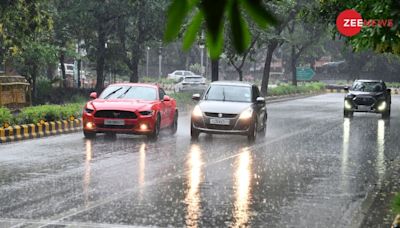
{"points": [[379, 39], [211, 14]]}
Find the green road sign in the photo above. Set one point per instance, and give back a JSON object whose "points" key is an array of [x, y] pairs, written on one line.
{"points": [[304, 74]]}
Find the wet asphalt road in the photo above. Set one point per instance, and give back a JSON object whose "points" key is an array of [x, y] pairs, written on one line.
{"points": [[313, 169]]}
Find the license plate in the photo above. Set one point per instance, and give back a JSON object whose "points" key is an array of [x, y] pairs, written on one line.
{"points": [[219, 121], [114, 122], [364, 108]]}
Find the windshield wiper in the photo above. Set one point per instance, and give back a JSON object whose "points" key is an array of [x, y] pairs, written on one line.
{"points": [[113, 92], [122, 95], [223, 94]]}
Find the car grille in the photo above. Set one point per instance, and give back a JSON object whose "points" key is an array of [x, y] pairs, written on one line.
{"points": [[224, 115], [115, 126], [364, 101], [115, 114]]}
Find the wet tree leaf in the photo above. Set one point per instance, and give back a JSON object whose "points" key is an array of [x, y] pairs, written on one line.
{"points": [[192, 30]]}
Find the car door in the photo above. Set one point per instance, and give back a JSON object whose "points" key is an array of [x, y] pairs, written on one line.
{"points": [[259, 108], [165, 109]]}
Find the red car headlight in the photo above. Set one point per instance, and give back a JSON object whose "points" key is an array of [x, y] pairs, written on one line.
{"points": [[147, 113]]}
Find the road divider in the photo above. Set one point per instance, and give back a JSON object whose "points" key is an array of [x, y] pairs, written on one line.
{"points": [[30, 131]]}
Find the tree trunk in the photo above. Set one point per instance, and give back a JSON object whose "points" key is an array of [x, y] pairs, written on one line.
{"points": [[100, 58], [240, 72], [214, 69], [62, 67], [293, 60], [79, 72], [267, 67], [134, 67], [34, 76]]}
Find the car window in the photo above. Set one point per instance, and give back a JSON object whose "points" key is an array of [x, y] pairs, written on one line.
{"points": [[256, 93], [178, 73], [129, 92], [368, 86], [161, 92], [228, 93], [188, 73]]}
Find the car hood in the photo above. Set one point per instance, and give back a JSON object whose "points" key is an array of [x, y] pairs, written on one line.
{"points": [[121, 104], [365, 94], [223, 106]]}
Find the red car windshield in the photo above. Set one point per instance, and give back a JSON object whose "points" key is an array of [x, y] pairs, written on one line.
{"points": [[129, 92]]}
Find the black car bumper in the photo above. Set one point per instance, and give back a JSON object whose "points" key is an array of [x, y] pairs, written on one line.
{"points": [[352, 105]]}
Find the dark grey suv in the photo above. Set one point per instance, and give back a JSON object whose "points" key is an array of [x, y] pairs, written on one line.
{"points": [[367, 96], [229, 108]]}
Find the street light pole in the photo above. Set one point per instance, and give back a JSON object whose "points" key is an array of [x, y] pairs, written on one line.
{"points": [[159, 62], [147, 61], [201, 46]]}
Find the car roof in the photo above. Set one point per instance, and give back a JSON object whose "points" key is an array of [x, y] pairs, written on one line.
{"points": [[135, 84], [232, 83]]}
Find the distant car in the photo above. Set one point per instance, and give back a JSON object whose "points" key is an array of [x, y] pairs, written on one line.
{"points": [[191, 83], [178, 74], [367, 96], [229, 108], [130, 108]]}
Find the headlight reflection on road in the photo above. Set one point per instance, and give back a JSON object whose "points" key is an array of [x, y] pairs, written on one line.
{"points": [[194, 178], [345, 154], [86, 177], [242, 186], [142, 166], [380, 158]]}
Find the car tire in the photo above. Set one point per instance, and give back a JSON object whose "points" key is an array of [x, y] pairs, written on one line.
{"points": [[194, 133], [89, 135], [174, 126], [264, 129], [348, 114], [252, 133], [156, 131]]}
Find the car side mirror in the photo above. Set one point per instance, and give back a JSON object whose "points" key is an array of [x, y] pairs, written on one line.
{"points": [[389, 90], [196, 97], [166, 98], [260, 100], [93, 95]]}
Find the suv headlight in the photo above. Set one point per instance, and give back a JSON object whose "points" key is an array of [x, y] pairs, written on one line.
{"points": [[382, 106], [246, 114], [347, 104], [197, 111]]}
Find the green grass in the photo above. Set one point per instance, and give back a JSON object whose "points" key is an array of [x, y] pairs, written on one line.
{"points": [[396, 204], [393, 84], [182, 98]]}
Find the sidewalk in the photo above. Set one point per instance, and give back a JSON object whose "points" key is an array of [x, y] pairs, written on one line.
{"points": [[379, 213]]}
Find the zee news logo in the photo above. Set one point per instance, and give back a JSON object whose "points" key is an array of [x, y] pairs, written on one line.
{"points": [[350, 22]]}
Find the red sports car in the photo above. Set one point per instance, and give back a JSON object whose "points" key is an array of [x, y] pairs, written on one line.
{"points": [[130, 108]]}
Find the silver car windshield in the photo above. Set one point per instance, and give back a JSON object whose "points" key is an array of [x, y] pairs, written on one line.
{"points": [[228, 93]]}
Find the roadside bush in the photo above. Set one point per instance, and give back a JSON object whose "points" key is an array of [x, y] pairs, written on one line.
{"points": [[48, 113], [155, 80], [5, 116], [286, 89]]}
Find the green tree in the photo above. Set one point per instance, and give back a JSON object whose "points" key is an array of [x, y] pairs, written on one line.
{"points": [[379, 39]]}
